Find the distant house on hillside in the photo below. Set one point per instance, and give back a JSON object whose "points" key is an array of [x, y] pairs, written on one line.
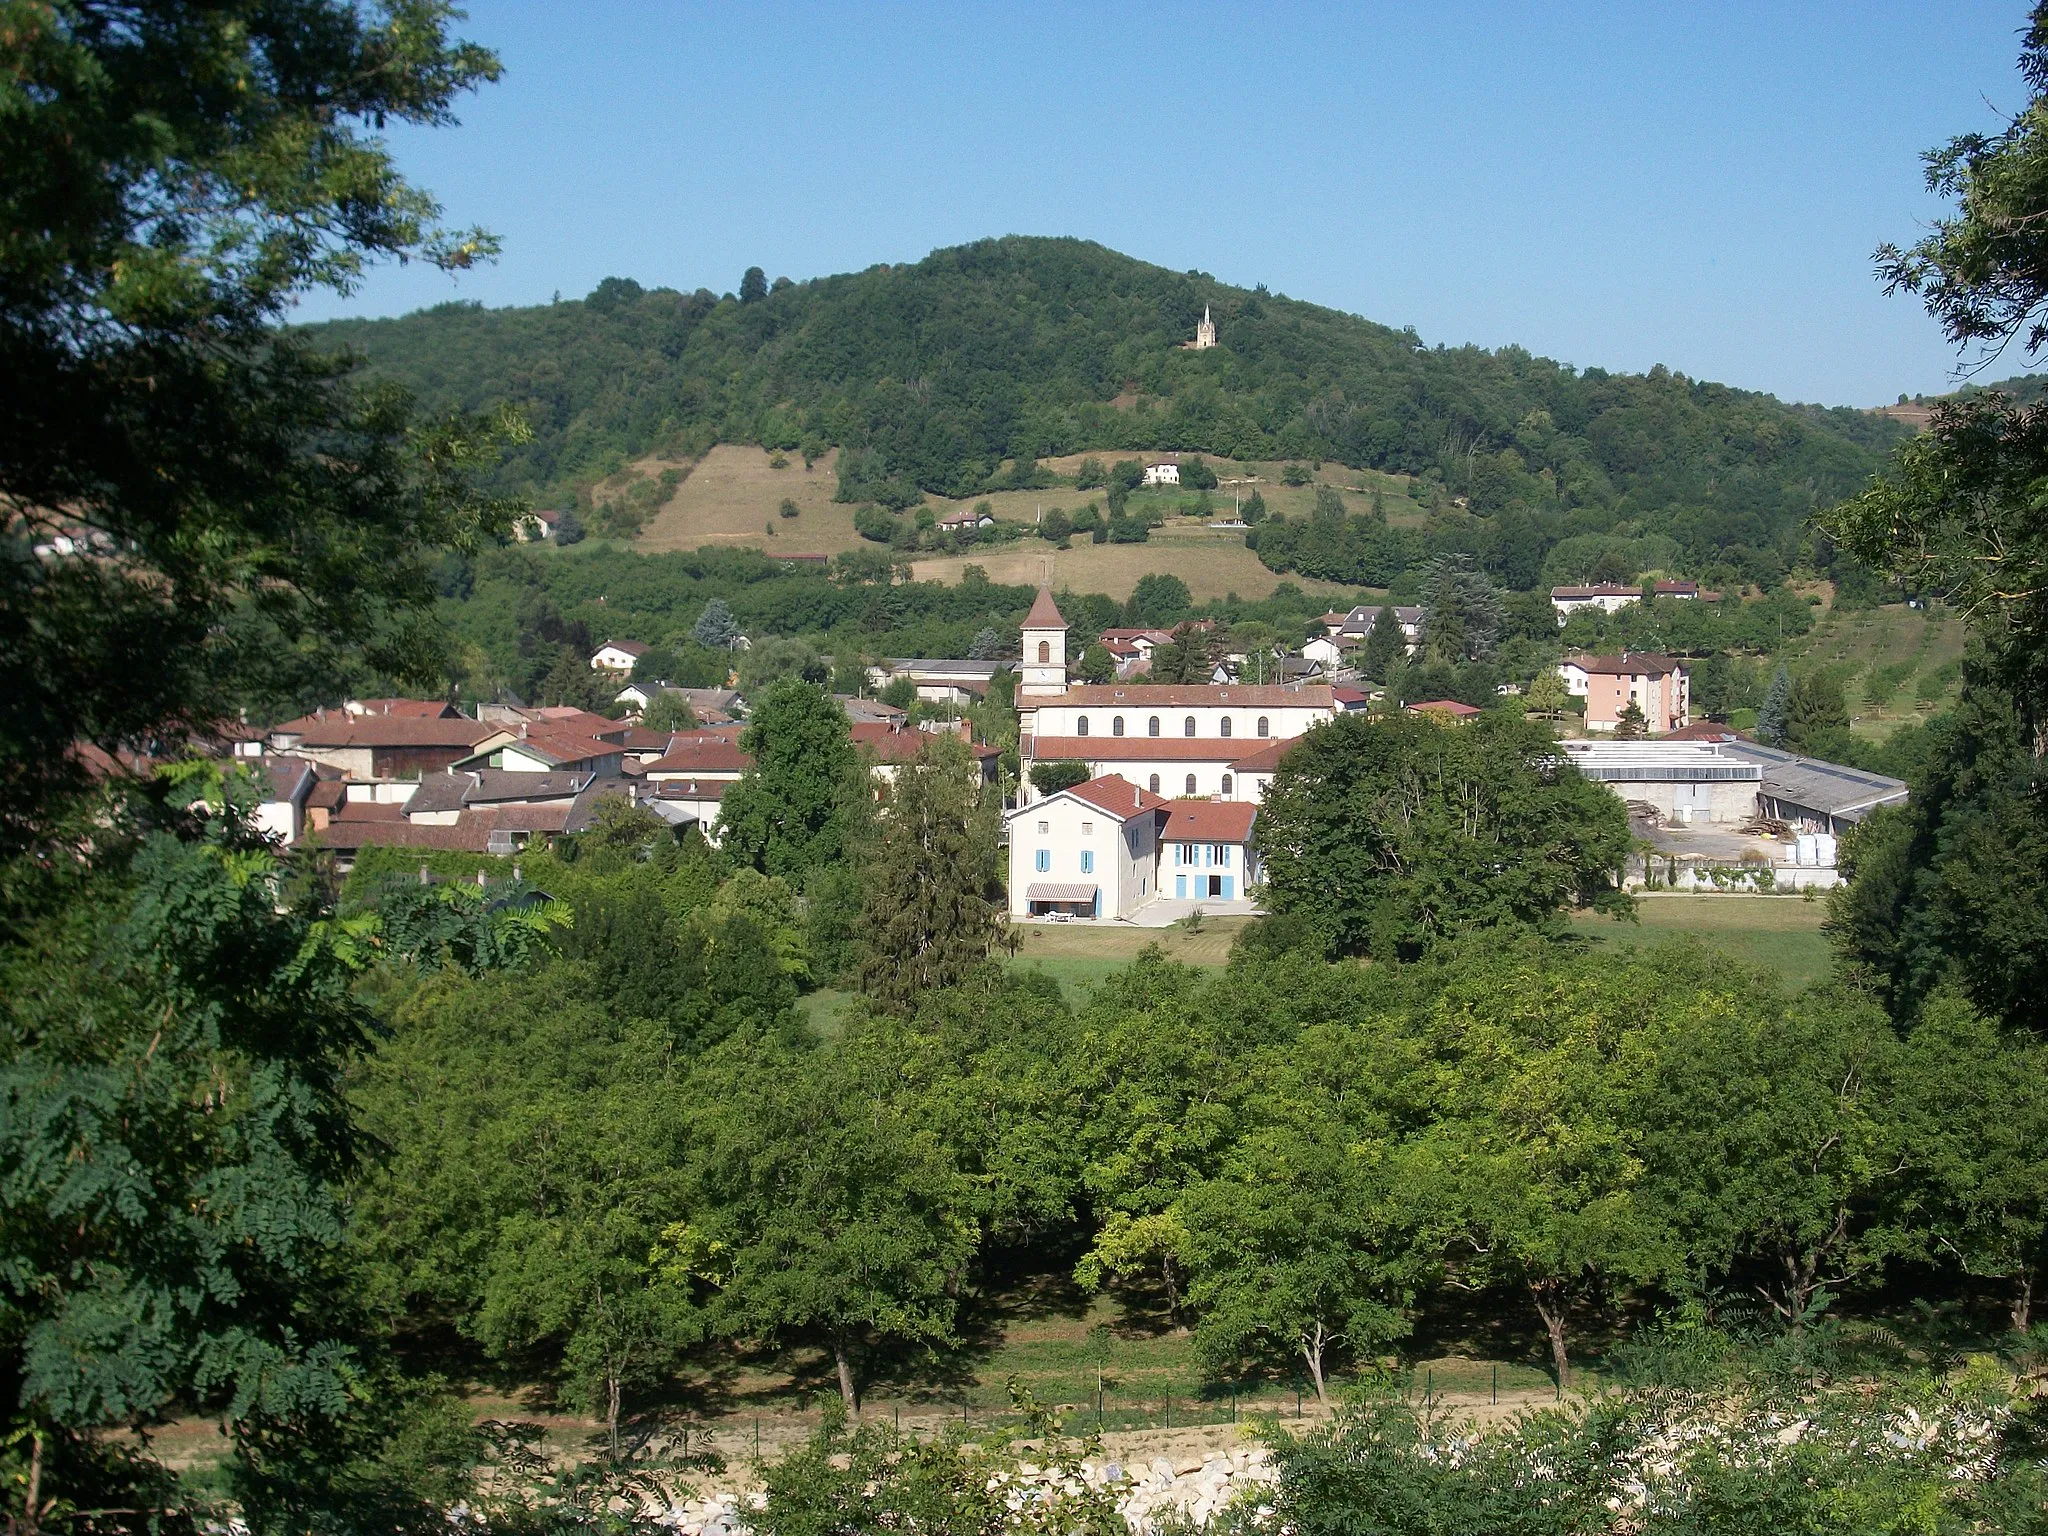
{"points": [[1608, 597], [1162, 474], [954, 522], [1657, 685], [617, 656]]}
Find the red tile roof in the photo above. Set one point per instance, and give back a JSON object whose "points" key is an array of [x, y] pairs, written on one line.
{"points": [[1706, 730], [1045, 613], [418, 709], [1118, 796], [1140, 749], [1605, 589], [1208, 821], [1178, 695], [691, 789], [1266, 759], [344, 730], [565, 747], [1444, 707], [630, 647], [702, 754], [1628, 664]]}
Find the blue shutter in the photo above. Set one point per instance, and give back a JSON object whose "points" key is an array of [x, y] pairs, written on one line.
{"points": [[1180, 887], [1227, 883]]}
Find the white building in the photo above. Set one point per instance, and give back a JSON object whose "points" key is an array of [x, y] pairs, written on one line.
{"points": [[1089, 851], [1173, 739], [1162, 474], [1205, 333], [1683, 781], [617, 656]]}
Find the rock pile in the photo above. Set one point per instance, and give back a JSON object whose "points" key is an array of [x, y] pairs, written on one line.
{"points": [[1190, 1490]]}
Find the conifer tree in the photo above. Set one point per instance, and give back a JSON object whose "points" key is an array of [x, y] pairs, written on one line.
{"points": [[1771, 715], [1384, 644], [934, 900]]}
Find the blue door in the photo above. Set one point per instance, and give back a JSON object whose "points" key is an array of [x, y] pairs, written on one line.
{"points": [[1180, 887], [1226, 887]]}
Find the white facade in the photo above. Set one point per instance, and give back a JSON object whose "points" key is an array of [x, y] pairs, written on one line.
{"points": [[1162, 474], [1608, 599], [1082, 858], [617, 656], [1249, 715]]}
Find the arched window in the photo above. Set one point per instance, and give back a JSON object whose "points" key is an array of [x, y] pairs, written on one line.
{"points": [[1226, 785], [1191, 783], [1226, 725], [1152, 726], [1081, 726], [1044, 651], [1155, 783], [1264, 728], [1116, 725], [1188, 726]]}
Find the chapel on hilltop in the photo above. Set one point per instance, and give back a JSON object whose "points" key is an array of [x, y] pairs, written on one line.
{"points": [[1205, 334]]}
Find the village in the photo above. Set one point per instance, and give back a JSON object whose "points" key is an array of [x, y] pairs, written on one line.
{"points": [[1133, 801]]}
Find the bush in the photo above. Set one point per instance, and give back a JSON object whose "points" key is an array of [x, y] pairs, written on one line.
{"points": [[1051, 778], [1294, 474], [787, 509]]}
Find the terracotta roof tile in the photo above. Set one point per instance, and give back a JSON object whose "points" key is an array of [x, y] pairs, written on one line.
{"points": [[1118, 796], [1208, 821]]}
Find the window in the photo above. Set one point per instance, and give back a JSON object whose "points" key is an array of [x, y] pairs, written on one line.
{"points": [[1188, 726], [1087, 861], [1226, 784], [1154, 785], [1226, 725], [1116, 725], [1152, 726], [1087, 829], [1044, 651], [1081, 726], [1044, 827], [1191, 783], [1265, 729], [1043, 861], [1219, 853]]}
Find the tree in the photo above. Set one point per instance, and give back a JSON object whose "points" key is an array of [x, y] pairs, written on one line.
{"points": [[1630, 725], [1462, 612], [987, 645], [1090, 475], [1054, 526], [832, 1209], [1295, 474], [568, 527], [716, 627], [934, 900], [1548, 695], [1189, 658], [1817, 717], [669, 710], [788, 509], [793, 809], [1159, 600], [1197, 475], [1096, 664], [1384, 644], [1534, 1143], [753, 286], [278, 519], [1253, 509], [1771, 714], [1298, 1248], [1051, 778], [1391, 834]]}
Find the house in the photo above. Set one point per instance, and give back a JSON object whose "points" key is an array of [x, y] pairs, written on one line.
{"points": [[1608, 597], [1682, 781], [1332, 653], [954, 522], [887, 745], [536, 525], [1133, 642], [870, 711], [541, 749], [1685, 592], [940, 681], [286, 783], [618, 656], [711, 706], [1088, 851], [685, 802], [1205, 850], [1351, 700], [442, 798], [1252, 775], [1659, 686], [1357, 623], [384, 746], [414, 709], [1162, 474], [706, 755]]}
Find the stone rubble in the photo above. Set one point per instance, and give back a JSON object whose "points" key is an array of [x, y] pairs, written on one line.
{"points": [[1190, 1490]]}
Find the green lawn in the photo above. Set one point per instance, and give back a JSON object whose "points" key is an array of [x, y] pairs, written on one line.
{"points": [[1782, 932], [1080, 955]]}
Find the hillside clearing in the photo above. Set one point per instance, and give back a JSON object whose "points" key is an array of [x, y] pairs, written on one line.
{"points": [[1781, 933], [1896, 664]]}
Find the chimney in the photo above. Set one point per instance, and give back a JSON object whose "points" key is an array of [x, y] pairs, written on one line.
{"points": [[1137, 798]]}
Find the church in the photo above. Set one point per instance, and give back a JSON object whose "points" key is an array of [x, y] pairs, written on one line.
{"points": [[1216, 741]]}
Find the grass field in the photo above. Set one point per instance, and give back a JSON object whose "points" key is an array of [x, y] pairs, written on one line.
{"points": [[1781, 932], [1079, 955], [733, 494], [1895, 663]]}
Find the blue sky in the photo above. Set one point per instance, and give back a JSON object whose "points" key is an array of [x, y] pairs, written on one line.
{"points": [[1698, 185]]}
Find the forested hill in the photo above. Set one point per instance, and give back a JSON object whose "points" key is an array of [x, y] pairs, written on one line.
{"points": [[931, 375]]}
